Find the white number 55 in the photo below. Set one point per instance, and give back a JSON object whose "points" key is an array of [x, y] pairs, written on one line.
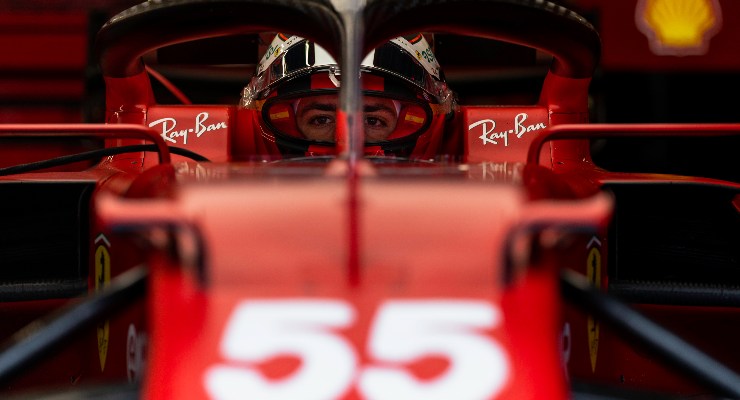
{"points": [[405, 331], [259, 330], [402, 332]]}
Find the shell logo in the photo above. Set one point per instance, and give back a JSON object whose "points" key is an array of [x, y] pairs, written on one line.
{"points": [[679, 27]]}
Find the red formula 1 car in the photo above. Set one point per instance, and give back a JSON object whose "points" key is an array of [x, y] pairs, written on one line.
{"points": [[223, 260]]}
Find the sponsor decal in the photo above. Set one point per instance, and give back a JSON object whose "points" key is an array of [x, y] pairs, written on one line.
{"points": [[279, 44], [428, 55], [136, 347], [678, 27], [456, 332], [171, 133], [413, 39], [491, 136], [593, 273], [565, 346], [102, 280], [423, 52]]}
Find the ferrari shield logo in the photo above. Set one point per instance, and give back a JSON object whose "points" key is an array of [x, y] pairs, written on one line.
{"points": [[593, 268], [102, 279], [678, 27]]}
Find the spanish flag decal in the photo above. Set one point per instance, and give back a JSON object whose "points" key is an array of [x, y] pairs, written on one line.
{"points": [[414, 119]]}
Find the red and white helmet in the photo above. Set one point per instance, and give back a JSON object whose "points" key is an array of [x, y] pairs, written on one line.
{"points": [[405, 98]]}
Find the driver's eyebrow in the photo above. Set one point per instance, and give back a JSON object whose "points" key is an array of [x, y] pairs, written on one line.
{"points": [[319, 106], [379, 107]]}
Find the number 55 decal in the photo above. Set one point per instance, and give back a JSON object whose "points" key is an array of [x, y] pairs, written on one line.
{"points": [[260, 330], [401, 333], [405, 331]]}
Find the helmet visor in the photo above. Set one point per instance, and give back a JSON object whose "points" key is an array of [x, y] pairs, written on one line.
{"points": [[313, 117]]}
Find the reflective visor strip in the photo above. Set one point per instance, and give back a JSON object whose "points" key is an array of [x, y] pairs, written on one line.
{"points": [[310, 56], [373, 83], [417, 47], [412, 61]]}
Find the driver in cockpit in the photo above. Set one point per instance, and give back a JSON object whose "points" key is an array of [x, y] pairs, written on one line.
{"points": [[405, 98]]}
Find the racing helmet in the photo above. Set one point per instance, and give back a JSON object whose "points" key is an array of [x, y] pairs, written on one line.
{"points": [[405, 98]]}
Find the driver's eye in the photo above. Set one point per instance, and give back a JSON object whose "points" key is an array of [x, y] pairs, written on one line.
{"points": [[321, 120], [375, 122]]}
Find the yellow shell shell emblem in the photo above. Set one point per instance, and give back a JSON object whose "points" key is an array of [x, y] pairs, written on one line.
{"points": [[679, 27]]}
